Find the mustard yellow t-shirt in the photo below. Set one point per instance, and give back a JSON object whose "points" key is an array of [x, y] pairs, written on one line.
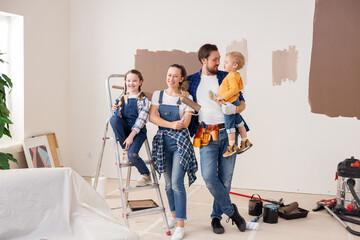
{"points": [[231, 86]]}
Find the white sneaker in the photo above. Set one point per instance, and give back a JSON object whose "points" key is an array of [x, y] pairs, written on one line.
{"points": [[143, 181], [172, 222], [178, 234], [125, 157]]}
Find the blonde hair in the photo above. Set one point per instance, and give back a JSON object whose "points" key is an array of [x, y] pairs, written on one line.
{"points": [[238, 58]]}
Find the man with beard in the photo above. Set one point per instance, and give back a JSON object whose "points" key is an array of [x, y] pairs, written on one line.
{"points": [[216, 170]]}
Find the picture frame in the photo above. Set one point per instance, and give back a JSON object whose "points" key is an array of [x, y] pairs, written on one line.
{"points": [[38, 153]]}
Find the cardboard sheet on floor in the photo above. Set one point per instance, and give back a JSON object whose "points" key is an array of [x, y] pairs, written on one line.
{"points": [[54, 203]]}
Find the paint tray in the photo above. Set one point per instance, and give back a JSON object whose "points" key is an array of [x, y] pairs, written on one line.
{"points": [[300, 213], [136, 205]]}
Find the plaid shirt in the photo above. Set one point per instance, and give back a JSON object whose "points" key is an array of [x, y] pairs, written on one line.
{"points": [[143, 111], [186, 151]]}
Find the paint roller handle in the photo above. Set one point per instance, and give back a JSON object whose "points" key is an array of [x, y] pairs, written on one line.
{"points": [[257, 218], [183, 117], [116, 112]]}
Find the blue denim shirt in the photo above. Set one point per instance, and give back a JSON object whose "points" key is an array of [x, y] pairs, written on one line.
{"points": [[194, 81]]}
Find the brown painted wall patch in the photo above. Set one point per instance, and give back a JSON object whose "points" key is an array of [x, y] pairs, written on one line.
{"points": [[154, 65], [240, 46], [284, 65], [334, 80]]}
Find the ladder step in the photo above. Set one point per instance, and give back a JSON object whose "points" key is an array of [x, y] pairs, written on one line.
{"points": [[135, 189], [122, 165], [146, 211]]}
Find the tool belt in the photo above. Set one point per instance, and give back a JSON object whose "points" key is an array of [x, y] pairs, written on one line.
{"points": [[204, 134]]}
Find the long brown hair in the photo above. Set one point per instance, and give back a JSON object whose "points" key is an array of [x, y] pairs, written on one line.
{"points": [[137, 73], [184, 85]]}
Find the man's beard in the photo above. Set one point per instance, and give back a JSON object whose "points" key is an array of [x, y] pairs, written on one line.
{"points": [[211, 70]]}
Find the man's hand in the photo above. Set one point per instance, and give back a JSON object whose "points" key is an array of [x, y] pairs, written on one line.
{"points": [[229, 108]]}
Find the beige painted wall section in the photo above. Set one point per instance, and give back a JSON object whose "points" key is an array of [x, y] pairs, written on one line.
{"points": [[46, 67], [284, 64], [240, 46]]}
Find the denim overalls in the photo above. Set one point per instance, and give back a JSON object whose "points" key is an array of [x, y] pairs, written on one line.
{"points": [[122, 128], [174, 174]]}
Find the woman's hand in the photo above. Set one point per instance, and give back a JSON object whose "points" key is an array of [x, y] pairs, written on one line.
{"points": [[177, 125]]}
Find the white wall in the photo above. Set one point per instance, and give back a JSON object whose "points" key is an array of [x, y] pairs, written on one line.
{"points": [[294, 150], [46, 67]]}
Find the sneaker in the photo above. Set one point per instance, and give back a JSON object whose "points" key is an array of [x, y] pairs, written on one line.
{"points": [[172, 222], [217, 227], [178, 234], [143, 181], [245, 145], [238, 219], [231, 150], [125, 157]]}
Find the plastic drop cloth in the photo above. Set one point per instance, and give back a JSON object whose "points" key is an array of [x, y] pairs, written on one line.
{"points": [[54, 204]]}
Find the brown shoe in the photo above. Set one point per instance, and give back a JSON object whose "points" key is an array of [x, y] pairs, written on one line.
{"points": [[231, 150], [245, 145]]}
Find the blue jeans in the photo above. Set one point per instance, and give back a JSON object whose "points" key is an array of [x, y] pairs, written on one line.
{"points": [[122, 131], [217, 172], [174, 179], [233, 120]]}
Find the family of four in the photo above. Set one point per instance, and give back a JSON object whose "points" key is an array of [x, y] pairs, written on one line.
{"points": [[219, 94]]}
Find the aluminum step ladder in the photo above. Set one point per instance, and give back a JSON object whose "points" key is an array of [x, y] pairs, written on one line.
{"points": [[126, 189]]}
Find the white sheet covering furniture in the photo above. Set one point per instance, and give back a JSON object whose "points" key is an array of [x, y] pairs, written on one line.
{"points": [[54, 204]]}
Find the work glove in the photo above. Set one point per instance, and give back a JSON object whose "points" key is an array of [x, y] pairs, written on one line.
{"points": [[228, 108]]}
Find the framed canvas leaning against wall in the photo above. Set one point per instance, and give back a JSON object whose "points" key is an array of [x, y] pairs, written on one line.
{"points": [[42, 151]]}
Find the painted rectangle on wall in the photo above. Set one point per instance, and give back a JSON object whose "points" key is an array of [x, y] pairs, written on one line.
{"points": [[284, 65], [154, 65], [240, 46], [334, 81]]}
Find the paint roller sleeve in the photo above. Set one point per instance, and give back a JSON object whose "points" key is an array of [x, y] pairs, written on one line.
{"points": [[191, 103]]}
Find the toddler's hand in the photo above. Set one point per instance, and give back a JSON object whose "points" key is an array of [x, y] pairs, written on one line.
{"points": [[228, 108]]}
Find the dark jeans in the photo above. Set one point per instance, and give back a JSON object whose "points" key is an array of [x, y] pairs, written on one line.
{"points": [[122, 131]]}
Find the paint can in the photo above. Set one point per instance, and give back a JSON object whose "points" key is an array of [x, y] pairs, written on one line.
{"points": [[271, 213], [255, 206]]}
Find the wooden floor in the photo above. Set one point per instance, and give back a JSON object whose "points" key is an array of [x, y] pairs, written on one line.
{"points": [[317, 225]]}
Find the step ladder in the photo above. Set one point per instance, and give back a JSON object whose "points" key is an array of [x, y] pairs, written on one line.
{"points": [[126, 189]]}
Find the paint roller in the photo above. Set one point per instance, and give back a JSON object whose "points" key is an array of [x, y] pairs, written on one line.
{"points": [[289, 208], [187, 101]]}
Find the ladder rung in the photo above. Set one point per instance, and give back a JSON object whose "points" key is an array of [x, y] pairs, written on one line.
{"points": [[134, 189], [147, 162], [145, 211]]}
